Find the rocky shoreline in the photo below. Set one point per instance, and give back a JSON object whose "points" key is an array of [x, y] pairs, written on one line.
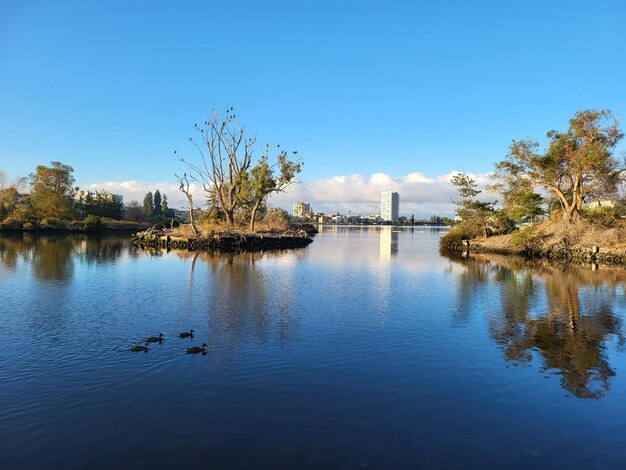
{"points": [[222, 241], [593, 255]]}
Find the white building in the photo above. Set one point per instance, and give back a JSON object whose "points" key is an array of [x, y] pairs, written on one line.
{"points": [[389, 206], [103, 195], [301, 209]]}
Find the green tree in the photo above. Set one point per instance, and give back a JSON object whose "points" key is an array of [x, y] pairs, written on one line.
{"points": [[576, 164], [148, 206], [52, 190], [164, 207], [156, 211], [102, 204], [262, 181], [522, 203], [475, 215]]}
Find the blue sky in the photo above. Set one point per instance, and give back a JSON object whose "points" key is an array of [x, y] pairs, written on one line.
{"points": [[113, 88]]}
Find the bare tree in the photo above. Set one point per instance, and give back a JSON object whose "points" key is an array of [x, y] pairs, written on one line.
{"points": [[225, 157], [185, 189]]}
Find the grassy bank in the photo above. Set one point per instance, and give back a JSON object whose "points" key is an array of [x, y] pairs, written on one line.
{"points": [[581, 242]]}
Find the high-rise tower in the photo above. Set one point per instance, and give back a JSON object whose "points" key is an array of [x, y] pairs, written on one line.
{"points": [[389, 206]]}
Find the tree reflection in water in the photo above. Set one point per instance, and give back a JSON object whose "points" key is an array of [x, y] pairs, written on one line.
{"points": [[244, 303], [564, 314], [52, 256]]}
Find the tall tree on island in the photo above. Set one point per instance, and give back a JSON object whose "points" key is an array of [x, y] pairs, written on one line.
{"points": [[262, 181], [576, 165], [157, 203], [52, 190], [148, 204], [225, 157]]}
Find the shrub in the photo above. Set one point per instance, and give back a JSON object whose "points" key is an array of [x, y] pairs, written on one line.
{"points": [[525, 239], [604, 216], [454, 240], [277, 219], [51, 224], [91, 223]]}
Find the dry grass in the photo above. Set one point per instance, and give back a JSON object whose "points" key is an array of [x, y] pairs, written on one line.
{"points": [[552, 234], [204, 228]]}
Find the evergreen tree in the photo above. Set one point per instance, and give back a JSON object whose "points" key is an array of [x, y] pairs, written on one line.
{"points": [[157, 203], [164, 207], [475, 214], [147, 204]]}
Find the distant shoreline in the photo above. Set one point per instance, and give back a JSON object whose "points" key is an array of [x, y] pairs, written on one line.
{"points": [[74, 226]]}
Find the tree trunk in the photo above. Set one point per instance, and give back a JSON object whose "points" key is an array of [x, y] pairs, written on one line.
{"points": [[253, 215], [571, 213], [230, 219], [191, 219]]}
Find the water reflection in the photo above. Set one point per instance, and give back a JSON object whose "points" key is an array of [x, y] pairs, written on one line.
{"points": [[51, 257], [245, 303], [388, 243], [563, 316]]}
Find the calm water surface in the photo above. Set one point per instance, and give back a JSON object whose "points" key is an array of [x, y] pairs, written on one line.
{"points": [[365, 350]]}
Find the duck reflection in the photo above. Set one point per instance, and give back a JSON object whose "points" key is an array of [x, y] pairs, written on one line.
{"points": [[563, 315]]}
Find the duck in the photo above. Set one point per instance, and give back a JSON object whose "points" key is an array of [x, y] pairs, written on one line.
{"points": [[155, 339], [186, 334], [197, 349], [140, 347]]}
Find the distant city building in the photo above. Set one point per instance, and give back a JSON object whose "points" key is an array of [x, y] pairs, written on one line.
{"points": [[389, 206], [301, 209], [84, 196]]}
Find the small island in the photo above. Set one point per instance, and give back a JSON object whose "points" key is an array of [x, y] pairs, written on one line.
{"points": [[227, 241], [564, 203]]}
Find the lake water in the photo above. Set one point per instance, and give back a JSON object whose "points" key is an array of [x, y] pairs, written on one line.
{"points": [[366, 349]]}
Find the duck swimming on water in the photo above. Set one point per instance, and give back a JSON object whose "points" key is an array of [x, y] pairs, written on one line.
{"points": [[197, 349], [139, 347], [186, 334], [155, 339]]}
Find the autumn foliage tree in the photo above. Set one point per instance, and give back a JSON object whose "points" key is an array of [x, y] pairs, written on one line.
{"points": [[52, 190], [576, 165], [9, 192]]}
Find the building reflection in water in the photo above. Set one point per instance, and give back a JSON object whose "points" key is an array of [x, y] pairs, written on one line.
{"points": [[388, 243], [562, 316]]}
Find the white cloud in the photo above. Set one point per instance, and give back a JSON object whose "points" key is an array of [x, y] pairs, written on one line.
{"points": [[136, 190], [420, 194]]}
